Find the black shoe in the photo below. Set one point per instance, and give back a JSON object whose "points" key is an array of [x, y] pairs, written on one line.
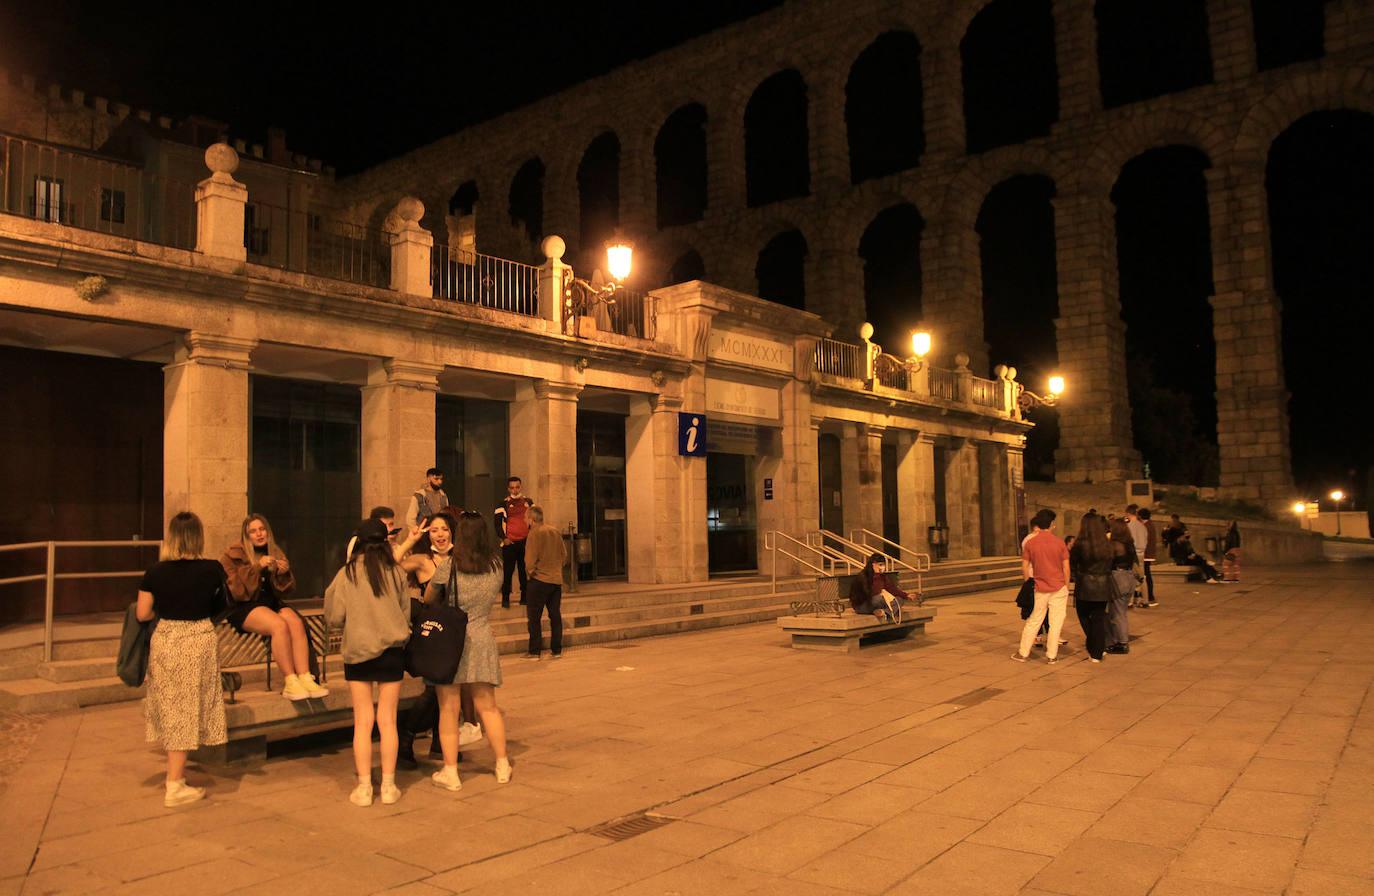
{"points": [[505, 603], [405, 750], [1119, 648]]}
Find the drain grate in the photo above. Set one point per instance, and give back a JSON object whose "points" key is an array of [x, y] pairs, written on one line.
{"points": [[581, 621], [696, 609], [977, 613], [973, 698], [631, 827]]}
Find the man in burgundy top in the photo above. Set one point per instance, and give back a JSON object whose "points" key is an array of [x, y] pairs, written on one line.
{"points": [[513, 527], [1045, 559]]}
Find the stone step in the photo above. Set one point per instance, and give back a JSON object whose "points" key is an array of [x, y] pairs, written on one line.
{"points": [[579, 616], [39, 695], [599, 634], [62, 671]]}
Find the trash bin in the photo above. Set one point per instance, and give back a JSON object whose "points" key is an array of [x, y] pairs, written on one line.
{"points": [[1213, 545], [938, 536], [582, 555]]}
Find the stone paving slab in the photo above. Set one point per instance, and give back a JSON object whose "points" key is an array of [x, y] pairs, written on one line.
{"points": [[1231, 752]]}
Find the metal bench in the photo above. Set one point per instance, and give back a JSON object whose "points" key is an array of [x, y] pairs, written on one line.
{"points": [[829, 623], [245, 649]]}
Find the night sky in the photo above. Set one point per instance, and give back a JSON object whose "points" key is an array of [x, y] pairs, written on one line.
{"points": [[331, 79]]}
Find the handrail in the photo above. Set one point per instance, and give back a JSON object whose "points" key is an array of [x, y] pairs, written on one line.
{"points": [[892, 559], [51, 576], [770, 539], [861, 550]]}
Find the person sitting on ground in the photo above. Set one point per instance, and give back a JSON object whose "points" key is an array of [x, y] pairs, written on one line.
{"points": [[259, 577], [875, 593], [1171, 535]]}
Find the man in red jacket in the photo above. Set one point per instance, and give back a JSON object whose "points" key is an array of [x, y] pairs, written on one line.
{"points": [[512, 528]]}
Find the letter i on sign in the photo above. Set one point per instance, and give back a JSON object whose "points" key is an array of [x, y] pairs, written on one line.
{"points": [[692, 435]]}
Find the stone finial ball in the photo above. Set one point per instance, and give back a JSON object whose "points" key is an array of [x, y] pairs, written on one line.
{"points": [[1000, 371], [553, 247], [961, 360], [221, 158], [1011, 373], [410, 209], [866, 331]]}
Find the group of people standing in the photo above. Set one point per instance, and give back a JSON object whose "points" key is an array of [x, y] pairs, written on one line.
{"points": [[447, 556]]}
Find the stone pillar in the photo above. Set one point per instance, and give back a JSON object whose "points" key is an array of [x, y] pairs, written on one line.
{"points": [[952, 293], [835, 290], [220, 201], [663, 492], [829, 138], [1075, 51], [543, 446], [942, 98], [998, 534], [861, 477], [725, 162], [1252, 400], [560, 194], [638, 206], [553, 274], [796, 480], [1231, 33], [1349, 24], [915, 487], [205, 433], [397, 431], [1095, 441], [962, 501], [411, 249]]}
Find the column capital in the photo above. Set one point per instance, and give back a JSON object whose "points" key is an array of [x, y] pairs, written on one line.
{"points": [[229, 352], [665, 403], [400, 372], [553, 391]]}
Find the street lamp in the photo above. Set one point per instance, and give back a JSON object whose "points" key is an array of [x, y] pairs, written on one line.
{"points": [[1338, 496], [580, 296], [1027, 399], [1300, 509], [920, 347]]}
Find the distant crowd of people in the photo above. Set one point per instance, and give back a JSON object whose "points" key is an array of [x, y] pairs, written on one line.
{"points": [[443, 555]]}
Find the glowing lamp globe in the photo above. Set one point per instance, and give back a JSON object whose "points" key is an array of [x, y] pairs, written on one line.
{"points": [[618, 256], [1056, 385], [920, 344]]}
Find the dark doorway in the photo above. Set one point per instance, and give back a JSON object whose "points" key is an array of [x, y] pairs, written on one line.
{"points": [[601, 489], [891, 509], [883, 112], [732, 528], [304, 473], [831, 482], [472, 447]]}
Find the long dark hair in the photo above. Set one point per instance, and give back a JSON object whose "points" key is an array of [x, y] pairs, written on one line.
{"points": [[867, 572], [472, 548], [378, 560], [1092, 543]]}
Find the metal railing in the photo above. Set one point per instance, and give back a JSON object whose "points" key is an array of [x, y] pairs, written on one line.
{"points": [[840, 359], [299, 240], [820, 561], [629, 313], [892, 373], [92, 192], [944, 384], [987, 393], [866, 539], [464, 276], [51, 576]]}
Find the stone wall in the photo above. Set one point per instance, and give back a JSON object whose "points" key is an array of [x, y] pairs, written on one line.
{"points": [[1233, 120]]}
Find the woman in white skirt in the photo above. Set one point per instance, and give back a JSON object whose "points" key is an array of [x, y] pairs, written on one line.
{"points": [[184, 707]]}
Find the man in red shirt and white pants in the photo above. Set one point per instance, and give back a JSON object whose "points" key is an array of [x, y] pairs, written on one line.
{"points": [[1045, 559]]}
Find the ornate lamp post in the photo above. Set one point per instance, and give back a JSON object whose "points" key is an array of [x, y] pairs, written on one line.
{"points": [[1026, 399], [1338, 496], [581, 296]]}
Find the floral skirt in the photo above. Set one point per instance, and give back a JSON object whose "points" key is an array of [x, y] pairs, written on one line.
{"points": [[184, 708]]}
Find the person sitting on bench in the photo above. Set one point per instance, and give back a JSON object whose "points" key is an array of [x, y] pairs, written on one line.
{"points": [[873, 592]]}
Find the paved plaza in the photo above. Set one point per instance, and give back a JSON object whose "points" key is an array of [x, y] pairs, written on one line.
{"points": [[1232, 752]]}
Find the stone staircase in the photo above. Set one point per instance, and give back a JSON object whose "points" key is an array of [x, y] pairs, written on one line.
{"points": [[950, 577]]}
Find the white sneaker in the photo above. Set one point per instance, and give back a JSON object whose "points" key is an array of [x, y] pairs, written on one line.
{"points": [[361, 795], [294, 690], [503, 771], [391, 794], [447, 778], [179, 793], [468, 733], [312, 689]]}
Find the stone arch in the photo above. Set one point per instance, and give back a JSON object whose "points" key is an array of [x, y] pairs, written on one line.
{"points": [[688, 265], [780, 267], [525, 199], [891, 252], [598, 192], [890, 66], [464, 199], [680, 167], [1346, 88], [1009, 74], [1146, 50], [969, 187], [846, 220], [1170, 127], [777, 139]]}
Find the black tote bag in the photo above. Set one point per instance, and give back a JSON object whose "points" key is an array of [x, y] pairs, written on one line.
{"points": [[437, 635]]}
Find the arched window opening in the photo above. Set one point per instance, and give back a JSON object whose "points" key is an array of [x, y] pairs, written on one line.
{"points": [[1287, 32], [1320, 183], [1164, 255], [1011, 90], [781, 270], [891, 251], [464, 199], [598, 190], [688, 266], [1146, 50], [883, 111], [1021, 297], [527, 200], [777, 162], [680, 166]]}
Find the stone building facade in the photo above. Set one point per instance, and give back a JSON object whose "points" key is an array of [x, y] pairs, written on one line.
{"points": [[1232, 117]]}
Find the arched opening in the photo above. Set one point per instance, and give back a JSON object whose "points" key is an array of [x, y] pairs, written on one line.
{"points": [[777, 162], [891, 251], [1011, 90], [1021, 298], [688, 266], [598, 192], [527, 199], [680, 166], [1146, 50], [1164, 255], [883, 112], [1320, 183], [781, 270], [464, 199], [1287, 32]]}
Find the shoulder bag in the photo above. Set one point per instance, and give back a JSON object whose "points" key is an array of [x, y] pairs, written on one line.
{"points": [[132, 664], [438, 633]]}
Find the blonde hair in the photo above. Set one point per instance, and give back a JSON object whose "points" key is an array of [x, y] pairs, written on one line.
{"points": [[185, 538], [248, 544]]}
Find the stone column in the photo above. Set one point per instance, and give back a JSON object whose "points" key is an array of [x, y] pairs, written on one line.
{"points": [[1095, 442], [397, 431], [1231, 34], [952, 296], [411, 249], [220, 201], [638, 206], [1252, 400], [995, 497], [553, 274], [1349, 23], [205, 433], [915, 485], [663, 492], [835, 289], [1075, 51], [560, 195], [724, 161], [942, 98], [861, 477], [962, 501], [829, 139], [543, 446]]}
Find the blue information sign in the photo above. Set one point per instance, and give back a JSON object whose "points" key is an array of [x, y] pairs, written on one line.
{"points": [[691, 435]]}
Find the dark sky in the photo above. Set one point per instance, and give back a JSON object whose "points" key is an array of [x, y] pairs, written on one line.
{"points": [[351, 88]]}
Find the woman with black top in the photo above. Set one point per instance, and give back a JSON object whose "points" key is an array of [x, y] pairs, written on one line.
{"points": [[259, 577], [1090, 561], [435, 544], [1123, 558], [184, 707]]}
